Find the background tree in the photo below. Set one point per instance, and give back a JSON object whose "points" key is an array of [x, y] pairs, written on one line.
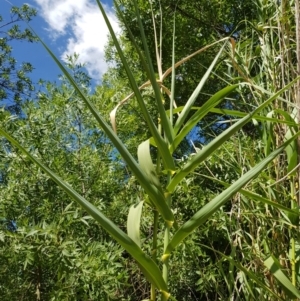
{"points": [[46, 241], [198, 24], [15, 85]]}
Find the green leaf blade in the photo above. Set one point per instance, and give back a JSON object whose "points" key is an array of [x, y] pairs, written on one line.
{"points": [[274, 267], [183, 115], [150, 189], [206, 211], [202, 112], [148, 265], [161, 144], [210, 148], [207, 151], [134, 221]]}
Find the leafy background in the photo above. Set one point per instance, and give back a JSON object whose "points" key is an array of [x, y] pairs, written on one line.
{"points": [[51, 249]]}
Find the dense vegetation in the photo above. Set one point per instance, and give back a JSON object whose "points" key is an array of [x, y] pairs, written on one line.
{"points": [[188, 189], [15, 85]]}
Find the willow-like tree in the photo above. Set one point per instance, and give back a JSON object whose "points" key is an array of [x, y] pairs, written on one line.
{"points": [[15, 84]]}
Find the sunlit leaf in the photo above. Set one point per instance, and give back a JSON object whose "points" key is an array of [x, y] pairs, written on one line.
{"points": [[207, 210], [153, 272], [274, 267], [134, 221]]}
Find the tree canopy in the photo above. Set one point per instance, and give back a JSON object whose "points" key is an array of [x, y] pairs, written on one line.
{"points": [[15, 84]]}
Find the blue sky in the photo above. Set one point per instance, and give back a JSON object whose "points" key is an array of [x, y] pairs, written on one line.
{"points": [[66, 26]]}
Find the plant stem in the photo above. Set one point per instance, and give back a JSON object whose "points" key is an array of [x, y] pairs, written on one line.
{"points": [[293, 251], [166, 241], [155, 220], [293, 261], [154, 250], [297, 193], [165, 265]]}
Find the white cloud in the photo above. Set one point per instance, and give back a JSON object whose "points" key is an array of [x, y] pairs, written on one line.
{"points": [[81, 22]]}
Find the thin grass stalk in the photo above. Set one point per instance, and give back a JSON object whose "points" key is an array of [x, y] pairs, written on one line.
{"points": [[247, 272], [297, 19], [169, 197], [292, 240], [167, 239], [155, 224], [160, 32], [157, 48], [297, 194], [293, 260], [168, 130], [165, 264], [207, 210], [154, 248], [162, 146], [172, 99]]}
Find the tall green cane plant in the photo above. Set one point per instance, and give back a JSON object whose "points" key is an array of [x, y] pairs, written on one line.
{"points": [[159, 181]]}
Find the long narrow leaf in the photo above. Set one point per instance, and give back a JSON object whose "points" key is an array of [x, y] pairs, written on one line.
{"points": [[206, 211], [183, 115], [153, 272], [246, 271], [202, 112], [274, 267], [158, 95], [258, 198], [161, 144], [207, 151], [150, 189], [210, 148], [291, 150], [239, 114]]}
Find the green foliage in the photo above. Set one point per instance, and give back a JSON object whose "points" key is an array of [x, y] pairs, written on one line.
{"points": [[15, 85], [49, 245], [205, 22], [223, 218]]}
